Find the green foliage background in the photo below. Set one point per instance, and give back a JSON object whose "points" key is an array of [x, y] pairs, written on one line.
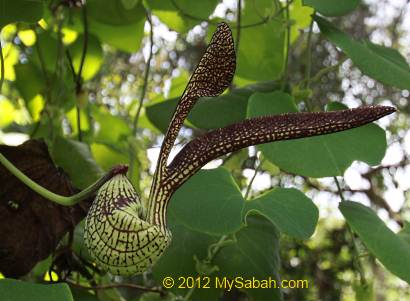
{"points": [[292, 56]]}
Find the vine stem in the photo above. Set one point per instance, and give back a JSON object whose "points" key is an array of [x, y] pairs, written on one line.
{"points": [[309, 53], [249, 187], [85, 47], [238, 33], [288, 27], [309, 61], [79, 81], [48, 96], [357, 256], [77, 107], [146, 75], [56, 198], [143, 92], [238, 23], [77, 76]]}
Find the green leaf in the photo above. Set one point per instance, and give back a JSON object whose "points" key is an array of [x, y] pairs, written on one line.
{"points": [[217, 112], [47, 46], [321, 156], [85, 171], [300, 16], [405, 232], [78, 244], [160, 114], [261, 49], [381, 63], [114, 12], [200, 9], [129, 4], [110, 129], [126, 38], [93, 58], [61, 88], [171, 13], [210, 202], [178, 85], [210, 112], [72, 117], [29, 80], [391, 249], [333, 8], [289, 210], [107, 156], [173, 20], [41, 268], [277, 102], [16, 290], [29, 11], [255, 253]]}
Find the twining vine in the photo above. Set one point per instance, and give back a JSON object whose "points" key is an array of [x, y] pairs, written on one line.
{"points": [[135, 121], [77, 76]]}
